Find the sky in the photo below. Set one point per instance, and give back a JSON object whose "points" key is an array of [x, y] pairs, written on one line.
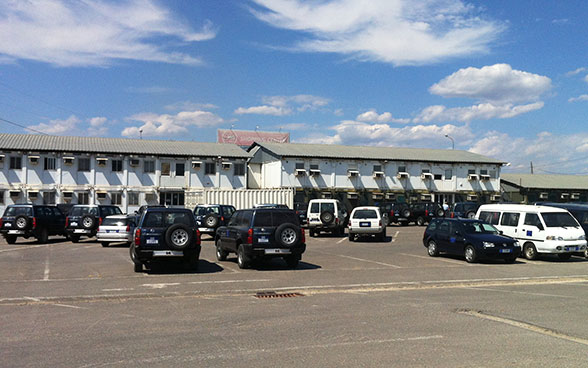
{"points": [[505, 79]]}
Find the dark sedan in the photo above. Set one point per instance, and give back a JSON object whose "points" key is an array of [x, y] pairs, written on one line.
{"points": [[473, 239]]}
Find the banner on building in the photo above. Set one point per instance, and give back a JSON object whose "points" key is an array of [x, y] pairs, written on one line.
{"points": [[247, 137]]}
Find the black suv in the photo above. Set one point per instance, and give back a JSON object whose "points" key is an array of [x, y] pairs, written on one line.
{"points": [[420, 213], [29, 220], [165, 233], [210, 216], [84, 220], [261, 233], [464, 209]]}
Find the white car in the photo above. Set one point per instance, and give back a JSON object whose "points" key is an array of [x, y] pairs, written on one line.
{"points": [[116, 229], [366, 221]]}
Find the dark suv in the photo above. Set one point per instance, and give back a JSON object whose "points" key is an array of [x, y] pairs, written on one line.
{"points": [[420, 213], [210, 216], [464, 209], [261, 233], [29, 220], [165, 233], [84, 220]]}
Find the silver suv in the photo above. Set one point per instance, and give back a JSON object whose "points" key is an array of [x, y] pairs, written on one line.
{"points": [[326, 215]]}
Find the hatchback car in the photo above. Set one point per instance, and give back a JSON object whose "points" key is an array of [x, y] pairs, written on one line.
{"points": [[116, 229], [474, 239], [366, 221]]}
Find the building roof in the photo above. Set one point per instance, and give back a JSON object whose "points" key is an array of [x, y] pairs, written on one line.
{"points": [[541, 181], [374, 153], [32, 142]]}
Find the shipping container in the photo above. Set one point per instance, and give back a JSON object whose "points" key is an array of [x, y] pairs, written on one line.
{"points": [[241, 198]]}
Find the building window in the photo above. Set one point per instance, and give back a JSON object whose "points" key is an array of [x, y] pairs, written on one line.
{"points": [[83, 164], [149, 166], [117, 165], [83, 198], [133, 198], [48, 197], [425, 171], [1, 197], [300, 166], [377, 168], [171, 198], [210, 168], [448, 174], [15, 163], [493, 174], [438, 176], [314, 166], [401, 169], [483, 172], [239, 169], [165, 168], [116, 198], [49, 163], [180, 169], [472, 172]]}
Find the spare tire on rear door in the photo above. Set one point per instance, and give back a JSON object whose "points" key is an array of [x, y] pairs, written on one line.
{"points": [[211, 220], [178, 236], [88, 221], [405, 212], [440, 212], [327, 217], [21, 222], [288, 235]]}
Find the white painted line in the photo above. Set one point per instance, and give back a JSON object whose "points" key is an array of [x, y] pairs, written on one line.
{"points": [[525, 293], [22, 248], [161, 285], [46, 273], [367, 260], [395, 235], [226, 281], [119, 289], [69, 306], [341, 241], [452, 261]]}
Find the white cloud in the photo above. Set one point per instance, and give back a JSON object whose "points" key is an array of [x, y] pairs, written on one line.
{"points": [[401, 32], [574, 72], [190, 106], [372, 116], [93, 33], [586, 78], [97, 122], [165, 124], [264, 110], [483, 111], [285, 105], [97, 126], [496, 83], [579, 98]]}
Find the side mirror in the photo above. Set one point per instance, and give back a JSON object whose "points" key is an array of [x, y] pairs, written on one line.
{"points": [[500, 232]]}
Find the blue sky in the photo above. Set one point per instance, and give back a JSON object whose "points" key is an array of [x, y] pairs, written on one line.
{"points": [[506, 79]]}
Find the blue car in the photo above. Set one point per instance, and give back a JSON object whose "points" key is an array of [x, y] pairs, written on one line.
{"points": [[474, 239]]}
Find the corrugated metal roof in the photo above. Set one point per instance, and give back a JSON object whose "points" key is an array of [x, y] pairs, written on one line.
{"points": [[31, 142], [541, 181], [376, 153]]}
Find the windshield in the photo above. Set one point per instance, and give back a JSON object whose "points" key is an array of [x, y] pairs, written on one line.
{"points": [[558, 219], [480, 228], [365, 214]]}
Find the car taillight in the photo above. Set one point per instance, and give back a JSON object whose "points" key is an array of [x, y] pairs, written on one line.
{"points": [[99, 221], [34, 222], [198, 237], [380, 223], [452, 214], [426, 212], [137, 237], [391, 213], [1, 222], [303, 237], [337, 221], [128, 228], [66, 221], [250, 236]]}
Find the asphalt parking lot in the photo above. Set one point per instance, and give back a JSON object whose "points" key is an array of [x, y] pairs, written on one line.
{"points": [[366, 303]]}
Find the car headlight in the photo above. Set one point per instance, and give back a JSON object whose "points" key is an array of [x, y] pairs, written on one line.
{"points": [[582, 237], [552, 237], [488, 244], [516, 244]]}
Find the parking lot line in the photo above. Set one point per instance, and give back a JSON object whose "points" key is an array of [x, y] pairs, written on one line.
{"points": [[341, 241], [524, 292], [46, 273], [438, 259], [367, 260], [395, 236]]}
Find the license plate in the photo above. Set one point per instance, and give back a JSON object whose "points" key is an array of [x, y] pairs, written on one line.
{"points": [[365, 224], [14, 232], [111, 231], [74, 224], [263, 239], [168, 253], [505, 250], [277, 251], [8, 224], [571, 248], [152, 240], [82, 231]]}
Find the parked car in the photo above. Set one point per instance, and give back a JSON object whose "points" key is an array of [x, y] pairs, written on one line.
{"points": [[579, 211], [28, 220], [419, 212], [261, 233], [463, 209], [366, 221], [540, 229], [301, 209], [165, 233], [84, 219], [116, 229], [210, 217], [326, 215], [474, 239], [270, 205]]}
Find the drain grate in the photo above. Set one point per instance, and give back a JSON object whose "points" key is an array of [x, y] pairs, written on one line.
{"points": [[273, 294]]}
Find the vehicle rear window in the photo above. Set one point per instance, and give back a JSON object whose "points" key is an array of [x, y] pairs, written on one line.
{"points": [[81, 211], [164, 219], [115, 222], [558, 219], [314, 208], [113, 210], [263, 219], [228, 211], [203, 211], [328, 207], [365, 214], [279, 217], [17, 211]]}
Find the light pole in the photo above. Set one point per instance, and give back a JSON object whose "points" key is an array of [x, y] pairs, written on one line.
{"points": [[452, 141]]}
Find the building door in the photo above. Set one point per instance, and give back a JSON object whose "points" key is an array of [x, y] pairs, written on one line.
{"points": [[172, 199]]}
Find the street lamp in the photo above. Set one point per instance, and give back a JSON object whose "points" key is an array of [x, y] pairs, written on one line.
{"points": [[452, 141]]}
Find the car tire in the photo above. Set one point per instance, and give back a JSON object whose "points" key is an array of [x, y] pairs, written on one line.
{"points": [[88, 222], [10, 239], [221, 255], [288, 235], [211, 220], [43, 236], [440, 213], [510, 259], [470, 215], [243, 260], [564, 256], [420, 221], [191, 260], [470, 254], [432, 248], [327, 217], [74, 238], [292, 261], [105, 244], [179, 236], [312, 233], [405, 212], [138, 265], [530, 251], [382, 235], [351, 237], [22, 222]]}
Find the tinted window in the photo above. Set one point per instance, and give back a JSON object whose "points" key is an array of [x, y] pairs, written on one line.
{"points": [[490, 217], [81, 211], [202, 211], [558, 219], [532, 219], [16, 211], [444, 227], [263, 219], [432, 226], [365, 214], [328, 207], [236, 219], [162, 219], [228, 211], [314, 208], [153, 219], [114, 222], [280, 217], [246, 219], [581, 216], [479, 228], [510, 219]]}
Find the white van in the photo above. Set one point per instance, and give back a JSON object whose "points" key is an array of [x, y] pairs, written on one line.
{"points": [[326, 215], [540, 229]]}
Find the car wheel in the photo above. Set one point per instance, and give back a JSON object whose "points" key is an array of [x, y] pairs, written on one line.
{"points": [[43, 236], [242, 260], [382, 235], [586, 253], [88, 221], [312, 233], [432, 248], [288, 235], [420, 221], [137, 264], [351, 236], [530, 251], [510, 259], [10, 239], [74, 238], [221, 255], [292, 261], [564, 256], [178, 236], [211, 220], [470, 254], [471, 215], [327, 217], [105, 244], [21, 222]]}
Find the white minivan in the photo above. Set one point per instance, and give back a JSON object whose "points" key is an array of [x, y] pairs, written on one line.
{"points": [[539, 229]]}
